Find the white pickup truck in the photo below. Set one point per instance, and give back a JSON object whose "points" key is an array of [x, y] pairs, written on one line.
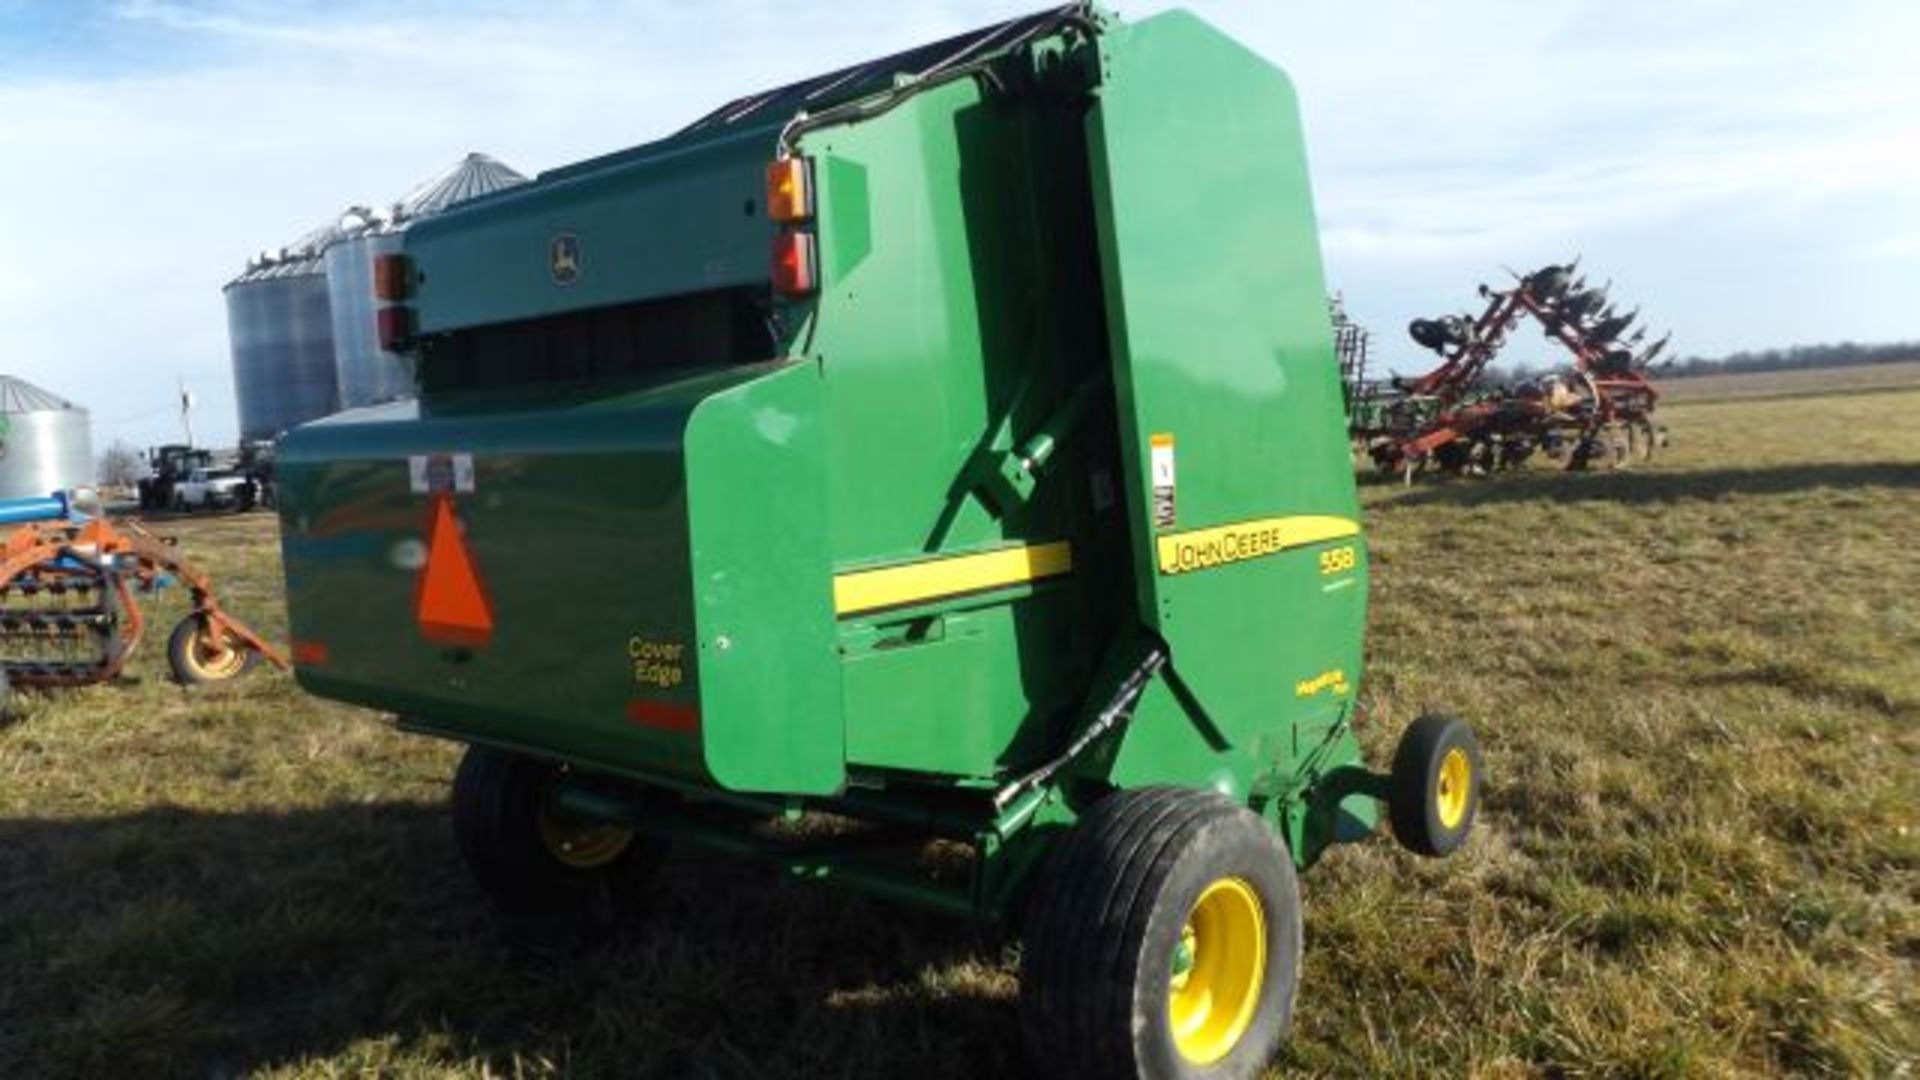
{"points": [[205, 489]]}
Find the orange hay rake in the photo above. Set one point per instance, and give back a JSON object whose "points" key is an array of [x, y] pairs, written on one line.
{"points": [[71, 585]]}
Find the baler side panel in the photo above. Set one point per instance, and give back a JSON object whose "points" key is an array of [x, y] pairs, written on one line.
{"points": [[926, 323], [770, 708], [1244, 518], [958, 310]]}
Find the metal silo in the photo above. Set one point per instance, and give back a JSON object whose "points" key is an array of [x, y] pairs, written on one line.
{"points": [[281, 332], [46, 442], [368, 375]]}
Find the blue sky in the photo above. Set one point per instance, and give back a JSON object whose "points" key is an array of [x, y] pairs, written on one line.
{"points": [[1747, 170]]}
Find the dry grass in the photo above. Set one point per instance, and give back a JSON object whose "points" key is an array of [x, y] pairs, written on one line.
{"points": [[1698, 686]]}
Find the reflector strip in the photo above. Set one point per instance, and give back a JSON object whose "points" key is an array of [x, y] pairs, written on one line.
{"points": [[450, 605], [310, 653], [934, 579], [1204, 549], [664, 716]]}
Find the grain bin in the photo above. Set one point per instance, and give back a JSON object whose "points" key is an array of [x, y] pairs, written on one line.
{"points": [[46, 442], [281, 334], [368, 374]]}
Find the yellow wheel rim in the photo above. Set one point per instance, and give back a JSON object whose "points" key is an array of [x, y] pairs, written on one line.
{"points": [[1455, 783], [1218, 968], [214, 660], [582, 845]]}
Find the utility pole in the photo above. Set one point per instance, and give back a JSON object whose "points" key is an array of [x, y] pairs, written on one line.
{"points": [[186, 410]]}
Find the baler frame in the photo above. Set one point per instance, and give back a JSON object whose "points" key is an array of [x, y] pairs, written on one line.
{"points": [[1007, 828]]}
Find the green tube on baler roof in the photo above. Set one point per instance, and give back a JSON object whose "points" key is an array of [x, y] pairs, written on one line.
{"points": [[897, 523]]}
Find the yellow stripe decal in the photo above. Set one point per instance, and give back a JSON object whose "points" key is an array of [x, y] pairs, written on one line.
{"points": [[1204, 549], [932, 579]]}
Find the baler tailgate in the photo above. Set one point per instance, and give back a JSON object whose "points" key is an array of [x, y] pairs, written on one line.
{"points": [[1222, 359]]}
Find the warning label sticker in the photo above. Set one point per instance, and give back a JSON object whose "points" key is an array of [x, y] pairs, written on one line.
{"points": [[1161, 458], [435, 474]]}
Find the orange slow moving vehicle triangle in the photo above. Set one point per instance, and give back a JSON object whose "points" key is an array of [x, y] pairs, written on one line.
{"points": [[451, 605]]}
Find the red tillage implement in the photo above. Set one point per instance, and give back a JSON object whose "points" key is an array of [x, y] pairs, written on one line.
{"points": [[1601, 408]]}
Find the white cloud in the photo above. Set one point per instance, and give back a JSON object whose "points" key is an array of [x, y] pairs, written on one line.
{"points": [[1665, 182], [1747, 166]]}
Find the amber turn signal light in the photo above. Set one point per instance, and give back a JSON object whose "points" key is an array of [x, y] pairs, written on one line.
{"points": [[392, 277], [790, 190]]}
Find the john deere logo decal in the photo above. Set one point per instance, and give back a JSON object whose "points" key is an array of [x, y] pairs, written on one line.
{"points": [[563, 258]]}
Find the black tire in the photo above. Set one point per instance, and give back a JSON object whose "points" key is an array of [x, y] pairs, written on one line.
{"points": [[1583, 453], [195, 662], [1640, 441], [506, 832], [1433, 802], [1116, 906]]}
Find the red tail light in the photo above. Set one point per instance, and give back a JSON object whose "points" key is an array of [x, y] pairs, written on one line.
{"points": [[396, 328], [392, 277], [795, 264]]}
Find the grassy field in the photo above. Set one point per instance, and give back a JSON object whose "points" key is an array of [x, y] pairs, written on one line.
{"points": [[1862, 378], [1698, 686]]}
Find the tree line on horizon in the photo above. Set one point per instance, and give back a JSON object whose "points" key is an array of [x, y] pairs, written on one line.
{"points": [[1839, 354]]}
